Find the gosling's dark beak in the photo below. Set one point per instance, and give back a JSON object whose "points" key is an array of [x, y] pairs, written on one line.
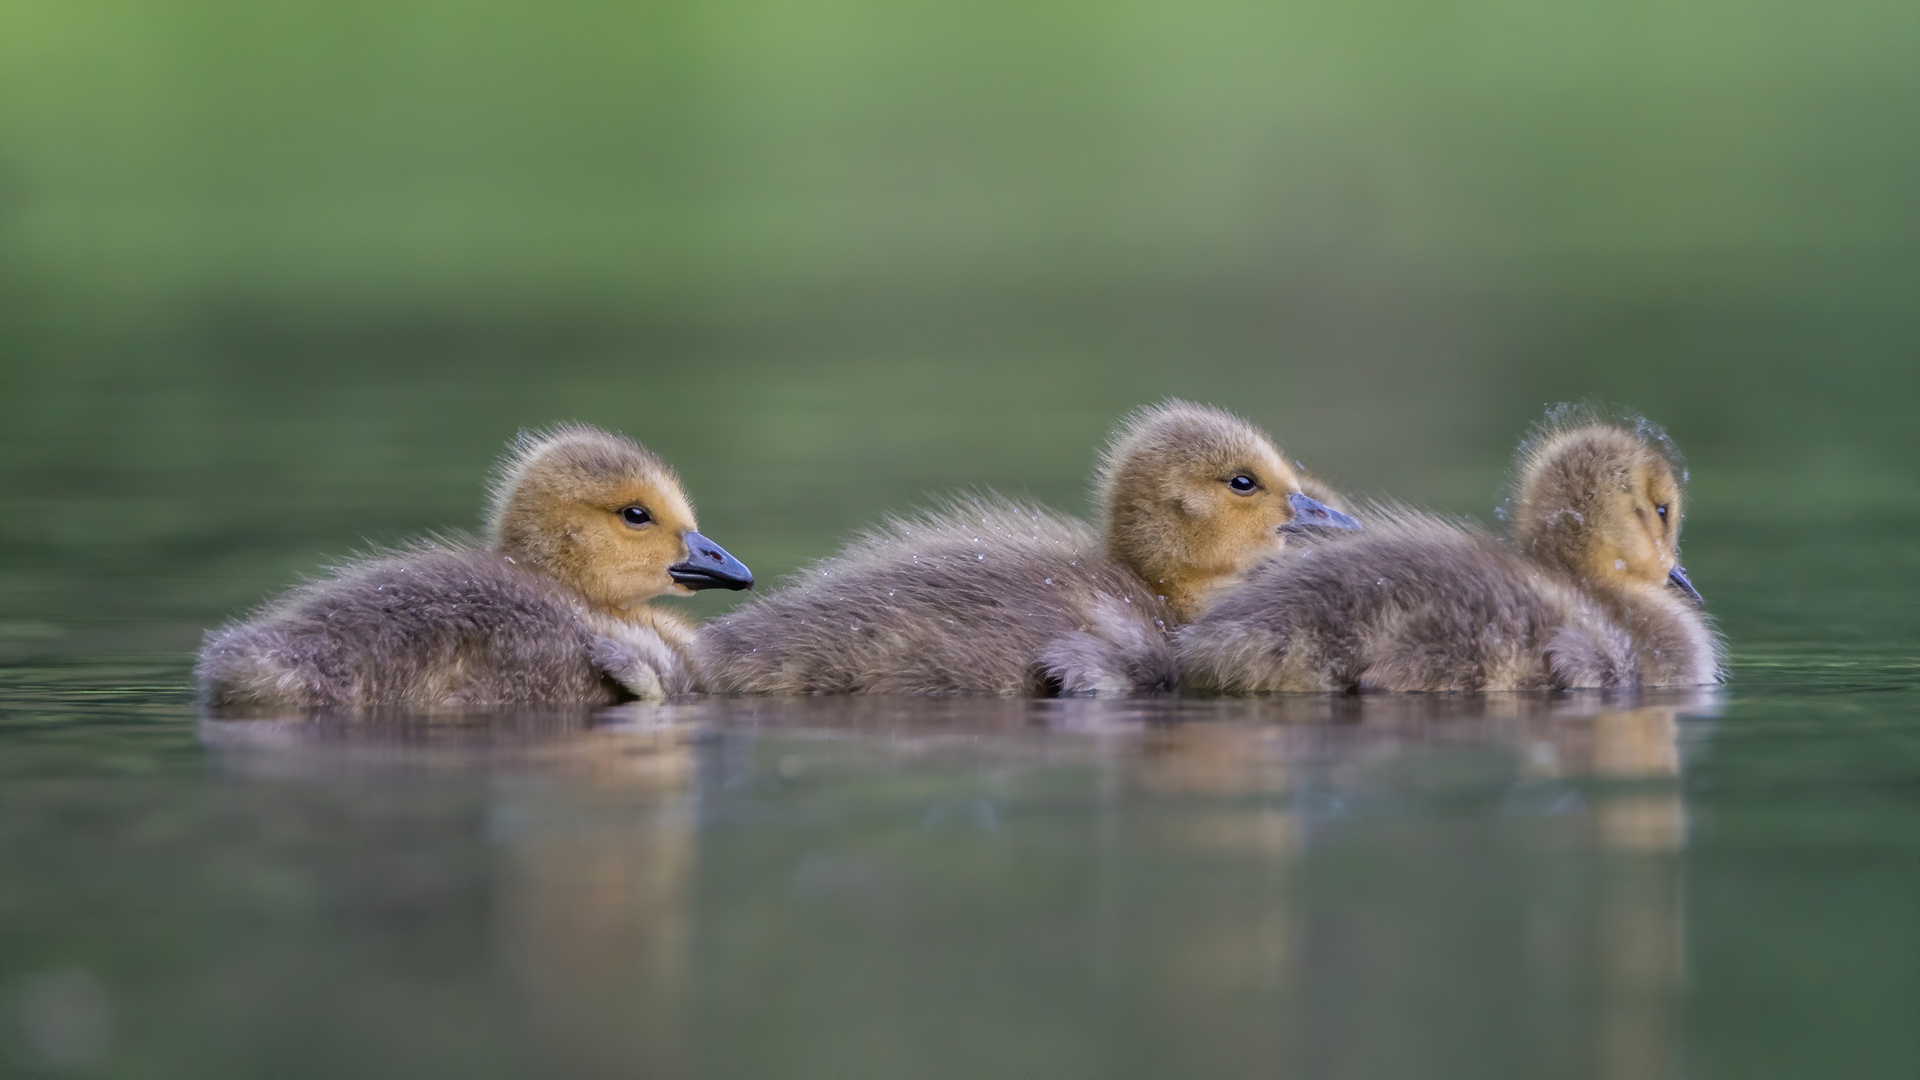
{"points": [[1677, 579], [1314, 514], [708, 566]]}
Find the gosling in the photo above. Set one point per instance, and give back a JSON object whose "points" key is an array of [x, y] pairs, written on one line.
{"points": [[1589, 593], [582, 527], [991, 596]]}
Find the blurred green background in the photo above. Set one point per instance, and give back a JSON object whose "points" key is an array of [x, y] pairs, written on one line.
{"points": [[278, 280]]}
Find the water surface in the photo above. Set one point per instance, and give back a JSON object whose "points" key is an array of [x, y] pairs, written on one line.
{"points": [[1710, 883]]}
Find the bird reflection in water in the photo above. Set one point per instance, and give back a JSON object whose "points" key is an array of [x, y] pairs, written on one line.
{"points": [[593, 882], [590, 824], [1237, 882]]}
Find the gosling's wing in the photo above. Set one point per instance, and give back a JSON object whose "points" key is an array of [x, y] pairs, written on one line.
{"points": [[962, 598]]}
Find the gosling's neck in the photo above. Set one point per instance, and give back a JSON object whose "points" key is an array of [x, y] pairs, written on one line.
{"points": [[1162, 563], [1187, 596], [517, 548], [1596, 571], [642, 616], [1184, 589], [634, 611], [551, 562]]}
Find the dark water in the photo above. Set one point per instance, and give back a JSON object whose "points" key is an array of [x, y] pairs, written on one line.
{"points": [[277, 283], [1715, 883]]}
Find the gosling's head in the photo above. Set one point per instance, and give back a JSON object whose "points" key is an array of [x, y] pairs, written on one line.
{"points": [[1194, 496], [1603, 498], [604, 516]]}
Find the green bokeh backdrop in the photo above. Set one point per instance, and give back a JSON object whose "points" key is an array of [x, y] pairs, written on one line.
{"points": [[281, 279]]}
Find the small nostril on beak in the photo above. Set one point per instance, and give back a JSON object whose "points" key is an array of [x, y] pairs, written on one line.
{"points": [[1309, 513], [708, 566]]}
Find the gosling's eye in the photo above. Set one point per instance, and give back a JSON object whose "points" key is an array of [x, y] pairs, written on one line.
{"points": [[635, 515], [1661, 510], [1242, 484]]}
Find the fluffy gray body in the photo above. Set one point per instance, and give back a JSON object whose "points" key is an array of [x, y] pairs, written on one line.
{"points": [[1418, 603], [446, 625], [978, 597]]}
